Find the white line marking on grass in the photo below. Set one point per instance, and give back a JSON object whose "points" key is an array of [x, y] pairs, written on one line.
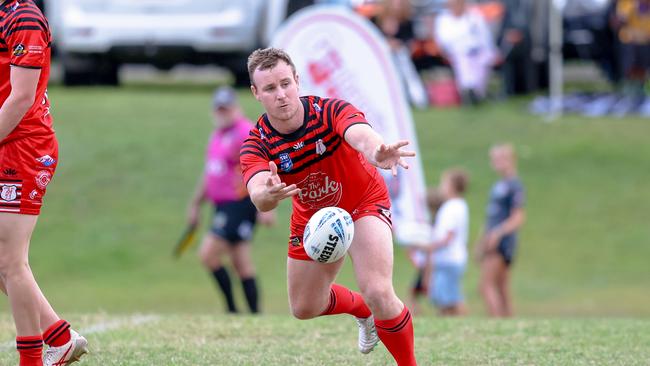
{"points": [[101, 327]]}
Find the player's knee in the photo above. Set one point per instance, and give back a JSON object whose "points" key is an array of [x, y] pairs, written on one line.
{"points": [[244, 267], [207, 258], [245, 271], [486, 286], [377, 297], [303, 311], [10, 267]]}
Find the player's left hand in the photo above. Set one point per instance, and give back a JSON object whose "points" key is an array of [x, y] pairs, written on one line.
{"points": [[390, 156]]}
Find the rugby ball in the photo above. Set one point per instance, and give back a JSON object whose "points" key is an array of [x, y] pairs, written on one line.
{"points": [[328, 234]]}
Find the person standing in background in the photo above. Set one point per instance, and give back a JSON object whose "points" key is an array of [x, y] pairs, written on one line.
{"points": [[497, 245], [418, 255], [235, 215], [465, 40], [447, 257]]}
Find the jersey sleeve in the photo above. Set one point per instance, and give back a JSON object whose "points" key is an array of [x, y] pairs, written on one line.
{"points": [[344, 115], [253, 158], [27, 38], [518, 195]]}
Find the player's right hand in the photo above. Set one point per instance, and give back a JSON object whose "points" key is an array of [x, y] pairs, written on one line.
{"points": [[276, 190], [193, 215]]}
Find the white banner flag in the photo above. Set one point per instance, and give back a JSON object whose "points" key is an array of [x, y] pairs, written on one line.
{"points": [[340, 54]]}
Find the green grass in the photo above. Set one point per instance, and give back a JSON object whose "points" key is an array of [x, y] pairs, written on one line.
{"points": [[128, 164], [275, 340]]}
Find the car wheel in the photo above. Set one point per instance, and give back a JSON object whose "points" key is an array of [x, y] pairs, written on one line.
{"points": [[80, 70]]}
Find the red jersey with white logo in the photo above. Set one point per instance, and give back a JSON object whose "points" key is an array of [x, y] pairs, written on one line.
{"points": [[25, 41], [318, 160]]}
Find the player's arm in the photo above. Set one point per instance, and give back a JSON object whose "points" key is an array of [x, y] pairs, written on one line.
{"points": [[368, 142], [511, 224], [514, 221], [194, 209], [24, 82], [267, 190], [438, 244]]}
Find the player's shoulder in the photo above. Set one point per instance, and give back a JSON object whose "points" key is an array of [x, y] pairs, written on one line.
{"points": [[516, 184], [22, 15], [244, 124], [337, 106], [328, 101], [13, 10]]}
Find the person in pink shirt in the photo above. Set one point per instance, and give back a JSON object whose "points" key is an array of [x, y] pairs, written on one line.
{"points": [[235, 215]]}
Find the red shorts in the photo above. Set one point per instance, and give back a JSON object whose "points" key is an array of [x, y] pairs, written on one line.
{"points": [[376, 204], [26, 168]]}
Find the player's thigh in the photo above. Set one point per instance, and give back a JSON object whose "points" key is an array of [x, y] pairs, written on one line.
{"points": [[212, 247], [309, 281], [490, 267], [372, 253], [15, 234]]}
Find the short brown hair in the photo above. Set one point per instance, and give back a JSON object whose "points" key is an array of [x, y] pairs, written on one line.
{"points": [[459, 179], [267, 58]]}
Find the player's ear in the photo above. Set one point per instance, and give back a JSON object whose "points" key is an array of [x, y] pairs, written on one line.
{"points": [[297, 79], [254, 91]]}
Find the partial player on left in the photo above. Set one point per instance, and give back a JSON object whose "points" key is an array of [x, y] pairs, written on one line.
{"points": [[28, 159]]}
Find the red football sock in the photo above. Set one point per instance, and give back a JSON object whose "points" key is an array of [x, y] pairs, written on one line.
{"points": [[345, 301], [397, 336], [30, 349], [57, 334]]}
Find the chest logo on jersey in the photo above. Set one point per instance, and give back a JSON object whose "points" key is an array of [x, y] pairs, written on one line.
{"points": [[19, 50], [299, 145], [320, 147], [285, 162], [318, 190]]}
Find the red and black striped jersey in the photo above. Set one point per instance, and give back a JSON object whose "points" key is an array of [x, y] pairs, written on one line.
{"points": [[25, 41], [315, 157]]}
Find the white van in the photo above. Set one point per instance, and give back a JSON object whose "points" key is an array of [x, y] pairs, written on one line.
{"points": [[94, 37]]}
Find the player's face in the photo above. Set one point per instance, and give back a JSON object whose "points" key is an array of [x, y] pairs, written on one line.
{"points": [[501, 161], [456, 6], [277, 90], [224, 116]]}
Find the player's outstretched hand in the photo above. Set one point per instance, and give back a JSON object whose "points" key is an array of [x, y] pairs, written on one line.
{"points": [[390, 156], [276, 190]]}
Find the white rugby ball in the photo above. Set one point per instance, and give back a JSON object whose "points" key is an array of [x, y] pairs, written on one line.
{"points": [[328, 234]]}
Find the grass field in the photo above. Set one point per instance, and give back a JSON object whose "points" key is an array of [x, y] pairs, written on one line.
{"points": [[272, 340], [129, 161]]}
